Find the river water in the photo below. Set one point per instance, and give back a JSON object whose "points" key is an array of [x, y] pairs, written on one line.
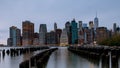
{"points": [[61, 58]]}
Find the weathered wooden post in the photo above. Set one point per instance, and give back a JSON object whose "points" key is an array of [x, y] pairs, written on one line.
{"points": [[110, 59]]}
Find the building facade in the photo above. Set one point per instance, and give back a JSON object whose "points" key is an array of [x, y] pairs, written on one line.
{"points": [[27, 33], [51, 38], [102, 33], [74, 31], [96, 22], [68, 29], [64, 38], [80, 34], [42, 34], [15, 37]]}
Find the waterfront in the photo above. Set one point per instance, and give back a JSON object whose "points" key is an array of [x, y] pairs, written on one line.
{"points": [[62, 58], [7, 61]]}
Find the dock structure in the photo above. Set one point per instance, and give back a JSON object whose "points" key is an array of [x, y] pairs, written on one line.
{"points": [[95, 51], [39, 60]]}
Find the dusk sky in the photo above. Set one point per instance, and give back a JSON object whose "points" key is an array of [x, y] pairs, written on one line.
{"points": [[13, 12]]}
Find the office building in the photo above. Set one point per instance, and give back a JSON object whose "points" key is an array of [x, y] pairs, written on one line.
{"points": [[68, 29], [74, 31], [27, 33], [64, 38], [42, 34], [91, 25], [114, 28], [15, 37], [55, 26], [102, 33], [96, 22], [36, 39], [80, 34], [58, 34], [51, 38]]}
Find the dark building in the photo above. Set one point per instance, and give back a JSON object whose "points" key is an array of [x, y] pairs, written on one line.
{"points": [[55, 26], [74, 31], [58, 34], [9, 42], [51, 38], [114, 28], [27, 33], [36, 39]]}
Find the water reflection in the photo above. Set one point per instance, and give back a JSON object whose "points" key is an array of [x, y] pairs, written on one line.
{"points": [[61, 58], [65, 59], [8, 61]]}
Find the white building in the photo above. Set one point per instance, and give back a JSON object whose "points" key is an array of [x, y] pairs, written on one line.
{"points": [[64, 38]]}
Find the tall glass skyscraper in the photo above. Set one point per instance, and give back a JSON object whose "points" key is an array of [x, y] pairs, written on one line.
{"points": [[15, 36], [74, 31], [96, 22], [42, 34]]}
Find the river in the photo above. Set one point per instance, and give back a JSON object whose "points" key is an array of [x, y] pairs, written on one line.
{"points": [[61, 58]]}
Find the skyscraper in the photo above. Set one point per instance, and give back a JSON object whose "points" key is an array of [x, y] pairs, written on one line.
{"points": [[27, 33], [42, 34], [91, 25], [55, 26], [80, 33], [64, 38], [74, 31], [15, 37], [114, 28], [68, 29], [96, 22]]}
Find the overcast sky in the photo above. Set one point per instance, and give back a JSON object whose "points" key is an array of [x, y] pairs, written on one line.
{"points": [[13, 12]]}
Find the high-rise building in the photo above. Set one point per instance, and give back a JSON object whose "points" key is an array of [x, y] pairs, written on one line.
{"points": [[51, 38], [58, 34], [36, 39], [114, 28], [27, 33], [64, 38], [91, 25], [15, 37], [96, 22], [42, 34], [18, 37], [74, 31], [80, 33], [68, 29], [55, 26]]}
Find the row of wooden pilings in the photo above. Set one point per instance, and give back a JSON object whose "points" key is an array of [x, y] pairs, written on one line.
{"points": [[16, 51], [39, 60], [95, 51]]}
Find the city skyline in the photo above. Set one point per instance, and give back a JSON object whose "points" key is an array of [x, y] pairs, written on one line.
{"points": [[50, 11]]}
